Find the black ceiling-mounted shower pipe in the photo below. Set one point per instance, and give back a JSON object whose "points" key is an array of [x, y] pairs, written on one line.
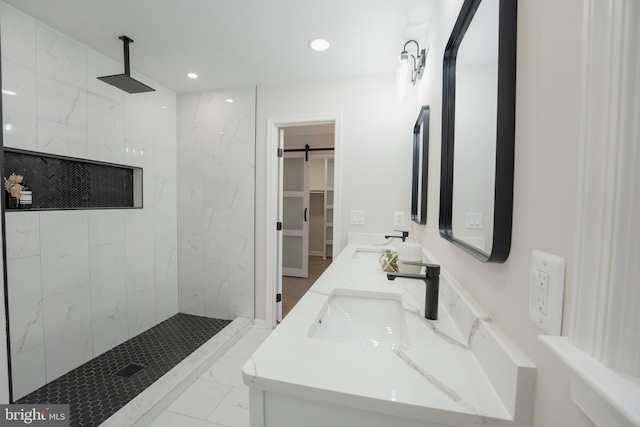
{"points": [[124, 81]]}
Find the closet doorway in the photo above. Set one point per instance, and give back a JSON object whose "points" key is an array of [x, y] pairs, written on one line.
{"points": [[307, 208]]}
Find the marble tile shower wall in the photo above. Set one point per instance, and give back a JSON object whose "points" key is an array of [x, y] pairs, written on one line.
{"points": [[216, 189], [83, 281]]}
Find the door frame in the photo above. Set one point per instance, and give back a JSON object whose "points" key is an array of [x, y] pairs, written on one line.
{"points": [[272, 196]]}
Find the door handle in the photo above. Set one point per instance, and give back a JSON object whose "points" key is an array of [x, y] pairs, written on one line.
{"points": [[305, 214]]}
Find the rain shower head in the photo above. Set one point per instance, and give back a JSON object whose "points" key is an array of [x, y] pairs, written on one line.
{"points": [[124, 81]]}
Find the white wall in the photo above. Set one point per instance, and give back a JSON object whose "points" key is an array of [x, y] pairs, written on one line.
{"points": [[299, 141], [216, 164], [546, 159], [377, 135], [83, 281]]}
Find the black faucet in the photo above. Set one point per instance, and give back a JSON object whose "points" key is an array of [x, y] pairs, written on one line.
{"points": [[405, 234], [431, 279]]}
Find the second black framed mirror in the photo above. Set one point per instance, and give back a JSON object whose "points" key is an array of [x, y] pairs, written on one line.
{"points": [[420, 167], [478, 129]]}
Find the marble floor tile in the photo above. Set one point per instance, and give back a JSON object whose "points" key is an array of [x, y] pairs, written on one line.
{"points": [[200, 399], [257, 334], [243, 349], [171, 419], [218, 398], [233, 411], [226, 370]]}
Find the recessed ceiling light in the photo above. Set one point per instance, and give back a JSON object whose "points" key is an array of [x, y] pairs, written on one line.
{"points": [[164, 107], [229, 100], [8, 92], [192, 75], [319, 45]]}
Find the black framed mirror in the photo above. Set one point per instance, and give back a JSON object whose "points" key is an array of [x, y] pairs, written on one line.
{"points": [[420, 167], [478, 129]]}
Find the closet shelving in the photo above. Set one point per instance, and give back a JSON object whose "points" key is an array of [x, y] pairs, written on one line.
{"points": [[321, 183]]}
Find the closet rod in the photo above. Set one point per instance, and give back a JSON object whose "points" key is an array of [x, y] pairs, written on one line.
{"points": [[306, 150]]}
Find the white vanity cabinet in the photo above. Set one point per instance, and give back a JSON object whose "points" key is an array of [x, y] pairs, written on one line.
{"points": [[459, 370]]}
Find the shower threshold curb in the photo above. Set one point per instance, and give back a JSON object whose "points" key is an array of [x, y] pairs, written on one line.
{"points": [[146, 406]]}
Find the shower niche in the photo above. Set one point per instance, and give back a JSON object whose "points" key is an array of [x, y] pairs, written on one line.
{"points": [[60, 182]]}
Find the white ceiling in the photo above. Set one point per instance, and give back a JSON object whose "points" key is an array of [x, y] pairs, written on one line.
{"points": [[231, 43]]}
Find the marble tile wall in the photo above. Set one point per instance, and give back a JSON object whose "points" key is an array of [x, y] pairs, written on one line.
{"points": [[216, 191], [81, 282]]}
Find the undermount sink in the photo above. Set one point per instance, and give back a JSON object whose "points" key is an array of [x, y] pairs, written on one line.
{"points": [[370, 319], [367, 254], [370, 256]]}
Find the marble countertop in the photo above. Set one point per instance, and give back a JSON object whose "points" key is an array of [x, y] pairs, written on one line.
{"points": [[438, 379]]}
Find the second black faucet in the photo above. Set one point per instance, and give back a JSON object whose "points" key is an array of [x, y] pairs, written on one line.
{"points": [[404, 236], [431, 279]]}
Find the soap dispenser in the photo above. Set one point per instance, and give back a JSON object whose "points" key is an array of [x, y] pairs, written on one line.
{"points": [[410, 252]]}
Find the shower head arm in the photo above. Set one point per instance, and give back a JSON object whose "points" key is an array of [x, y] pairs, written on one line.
{"points": [[125, 41], [124, 81]]}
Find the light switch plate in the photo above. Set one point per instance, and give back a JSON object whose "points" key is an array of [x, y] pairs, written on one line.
{"points": [[356, 217], [546, 295]]}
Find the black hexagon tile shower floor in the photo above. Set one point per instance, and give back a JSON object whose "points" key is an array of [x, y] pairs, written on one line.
{"points": [[95, 392]]}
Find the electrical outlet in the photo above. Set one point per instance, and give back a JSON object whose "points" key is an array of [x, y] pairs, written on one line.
{"points": [[541, 291], [546, 295], [357, 217], [398, 218]]}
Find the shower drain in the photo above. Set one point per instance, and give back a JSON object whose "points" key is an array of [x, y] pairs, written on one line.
{"points": [[130, 370]]}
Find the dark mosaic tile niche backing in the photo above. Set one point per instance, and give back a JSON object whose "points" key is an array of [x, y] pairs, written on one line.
{"points": [[63, 183], [95, 392]]}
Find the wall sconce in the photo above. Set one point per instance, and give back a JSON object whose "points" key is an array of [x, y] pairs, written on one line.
{"points": [[411, 67]]}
